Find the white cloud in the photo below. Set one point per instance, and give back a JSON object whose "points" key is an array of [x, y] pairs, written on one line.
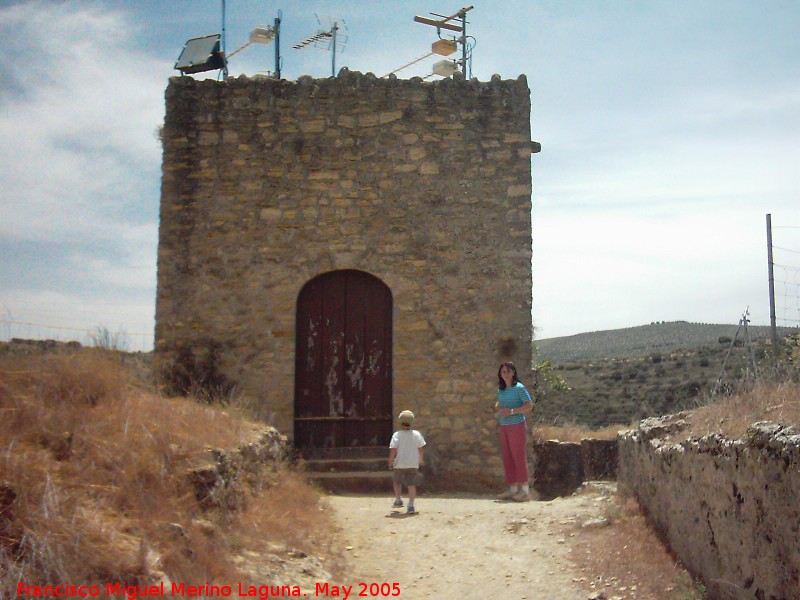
{"points": [[82, 115], [80, 190]]}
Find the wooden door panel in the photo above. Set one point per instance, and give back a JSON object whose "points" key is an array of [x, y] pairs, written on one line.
{"points": [[354, 346], [333, 328], [308, 388], [343, 375], [378, 336]]}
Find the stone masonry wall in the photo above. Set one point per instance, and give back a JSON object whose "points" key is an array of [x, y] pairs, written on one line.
{"points": [[427, 186], [560, 468], [729, 509]]}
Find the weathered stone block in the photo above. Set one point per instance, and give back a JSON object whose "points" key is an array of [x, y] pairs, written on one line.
{"points": [[429, 168], [558, 469], [600, 459]]}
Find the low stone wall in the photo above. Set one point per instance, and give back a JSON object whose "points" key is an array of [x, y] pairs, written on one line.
{"points": [[728, 509], [224, 480], [559, 468]]}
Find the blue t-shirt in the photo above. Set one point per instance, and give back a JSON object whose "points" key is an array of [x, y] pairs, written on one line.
{"points": [[513, 397]]}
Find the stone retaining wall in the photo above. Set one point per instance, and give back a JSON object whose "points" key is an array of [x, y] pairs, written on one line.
{"points": [[728, 509], [560, 468]]}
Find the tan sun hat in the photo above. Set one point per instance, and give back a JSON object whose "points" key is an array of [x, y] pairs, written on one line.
{"points": [[406, 417]]}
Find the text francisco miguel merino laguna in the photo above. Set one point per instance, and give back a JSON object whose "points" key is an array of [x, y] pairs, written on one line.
{"points": [[133, 592]]}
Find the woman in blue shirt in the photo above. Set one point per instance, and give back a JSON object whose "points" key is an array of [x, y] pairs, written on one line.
{"points": [[513, 401]]}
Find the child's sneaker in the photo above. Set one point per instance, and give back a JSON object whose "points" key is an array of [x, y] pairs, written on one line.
{"points": [[411, 510], [398, 503]]}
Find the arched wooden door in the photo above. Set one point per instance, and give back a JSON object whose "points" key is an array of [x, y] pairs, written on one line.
{"points": [[343, 362]]}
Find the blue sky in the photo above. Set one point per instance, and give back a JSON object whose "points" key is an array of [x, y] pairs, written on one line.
{"points": [[668, 131]]}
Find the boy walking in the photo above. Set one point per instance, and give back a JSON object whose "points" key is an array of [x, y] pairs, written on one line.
{"points": [[405, 458]]}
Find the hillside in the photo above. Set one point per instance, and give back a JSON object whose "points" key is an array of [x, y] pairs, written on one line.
{"points": [[104, 482], [643, 340], [619, 377]]}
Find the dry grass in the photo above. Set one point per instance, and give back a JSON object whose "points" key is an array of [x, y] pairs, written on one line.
{"points": [[575, 433], [732, 415], [627, 560], [93, 473]]}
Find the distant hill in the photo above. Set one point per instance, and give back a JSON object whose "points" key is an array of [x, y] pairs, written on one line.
{"points": [[624, 375], [644, 340]]}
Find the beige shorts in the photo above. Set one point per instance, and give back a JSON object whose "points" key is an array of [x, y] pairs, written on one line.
{"points": [[406, 476]]}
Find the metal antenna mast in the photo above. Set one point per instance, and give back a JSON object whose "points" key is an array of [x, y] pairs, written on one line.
{"points": [[334, 29], [328, 39], [224, 58], [278, 45], [443, 22]]}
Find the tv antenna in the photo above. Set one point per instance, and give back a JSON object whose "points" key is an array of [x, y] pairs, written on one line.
{"points": [[456, 22], [334, 39]]}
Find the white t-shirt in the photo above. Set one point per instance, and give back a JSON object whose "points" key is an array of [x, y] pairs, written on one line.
{"points": [[408, 442]]}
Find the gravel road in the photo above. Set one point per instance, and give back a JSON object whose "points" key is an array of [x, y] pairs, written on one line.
{"points": [[465, 547]]}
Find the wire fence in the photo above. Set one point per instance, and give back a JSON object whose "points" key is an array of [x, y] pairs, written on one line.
{"points": [[136, 339], [786, 274]]}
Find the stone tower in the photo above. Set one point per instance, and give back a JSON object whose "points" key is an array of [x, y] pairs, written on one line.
{"points": [[338, 250]]}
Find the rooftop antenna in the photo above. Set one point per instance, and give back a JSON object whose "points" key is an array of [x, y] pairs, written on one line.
{"points": [[208, 53], [441, 47], [334, 39], [446, 67], [265, 35]]}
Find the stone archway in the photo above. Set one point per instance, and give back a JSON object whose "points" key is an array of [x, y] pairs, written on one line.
{"points": [[343, 362]]}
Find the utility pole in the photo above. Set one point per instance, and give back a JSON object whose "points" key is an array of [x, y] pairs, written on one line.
{"points": [[772, 324]]}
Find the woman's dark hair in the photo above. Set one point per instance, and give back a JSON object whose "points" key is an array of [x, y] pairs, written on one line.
{"points": [[514, 379]]}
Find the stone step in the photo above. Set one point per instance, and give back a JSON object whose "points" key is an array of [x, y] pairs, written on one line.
{"points": [[336, 465], [354, 469], [353, 475], [353, 452], [354, 481]]}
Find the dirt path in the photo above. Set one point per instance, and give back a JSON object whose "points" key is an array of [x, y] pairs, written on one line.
{"points": [[466, 546]]}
